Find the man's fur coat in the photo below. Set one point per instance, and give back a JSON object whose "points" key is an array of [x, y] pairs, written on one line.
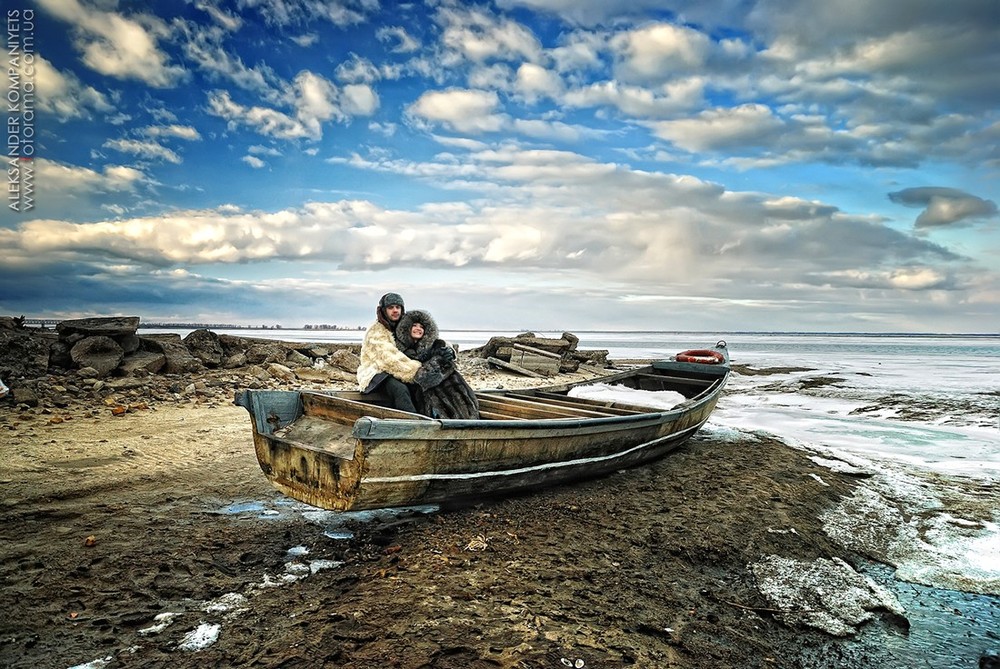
{"points": [[379, 354]]}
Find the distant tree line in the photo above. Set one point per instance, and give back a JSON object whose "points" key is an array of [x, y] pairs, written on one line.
{"points": [[200, 326]]}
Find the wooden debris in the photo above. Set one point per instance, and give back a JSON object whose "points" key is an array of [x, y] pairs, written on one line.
{"points": [[517, 369], [544, 356]]}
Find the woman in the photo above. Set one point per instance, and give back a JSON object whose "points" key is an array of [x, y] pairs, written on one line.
{"points": [[384, 366], [440, 390]]}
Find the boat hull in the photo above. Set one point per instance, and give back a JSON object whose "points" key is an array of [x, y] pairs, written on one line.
{"points": [[334, 451]]}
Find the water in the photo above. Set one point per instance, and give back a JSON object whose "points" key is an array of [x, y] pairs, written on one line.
{"points": [[919, 413]]}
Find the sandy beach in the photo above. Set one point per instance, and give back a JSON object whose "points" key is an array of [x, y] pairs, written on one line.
{"points": [[151, 539]]}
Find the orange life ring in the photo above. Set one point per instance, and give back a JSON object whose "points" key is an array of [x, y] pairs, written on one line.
{"points": [[702, 356]]}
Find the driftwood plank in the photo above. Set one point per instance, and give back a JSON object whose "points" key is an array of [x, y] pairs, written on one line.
{"points": [[537, 360], [592, 369], [537, 351], [517, 369]]}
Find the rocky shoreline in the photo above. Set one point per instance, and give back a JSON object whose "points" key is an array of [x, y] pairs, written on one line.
{"points": [[93, 359]]}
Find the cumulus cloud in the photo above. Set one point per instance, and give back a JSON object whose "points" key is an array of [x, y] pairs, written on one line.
{"points": [[227, 20], [398, 38], [358, 70], [659, 51], [66, 96], [534, 82], [479, 36], [713, 129], [124, 47], [306, 40], [587, 12], [359, 100], [314, 101], [944, 207], [460, 109], [342, 13], [258, 150], [638, 101], [143, 149], [264, 120], [558, 211], [204, 47], [63, 178], [174, 130]]}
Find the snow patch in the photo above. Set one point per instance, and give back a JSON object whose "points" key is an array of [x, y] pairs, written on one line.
{"points": [[826, 594], [200, 638]]}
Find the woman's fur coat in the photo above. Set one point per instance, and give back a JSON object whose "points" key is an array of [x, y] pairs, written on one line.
{"points": [[440, 391]]}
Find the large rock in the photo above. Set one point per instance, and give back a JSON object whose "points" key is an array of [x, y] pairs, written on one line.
{"points": [[25, 395], [23, 355], [280, 371], [235, 360], [142, 363], [263, 353], [296, 359], [179, 358], [206, 346], [345, 360], [130, 343], [59, 354], [102, 353], [114, 326]]}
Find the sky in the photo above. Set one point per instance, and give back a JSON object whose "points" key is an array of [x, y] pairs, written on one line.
{"points": [[513, 165]]}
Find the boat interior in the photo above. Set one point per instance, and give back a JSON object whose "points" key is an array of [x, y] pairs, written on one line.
{"points": [[538, 403]]}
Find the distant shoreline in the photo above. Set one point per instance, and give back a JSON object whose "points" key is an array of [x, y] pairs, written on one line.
{"points": [[50, 323]]}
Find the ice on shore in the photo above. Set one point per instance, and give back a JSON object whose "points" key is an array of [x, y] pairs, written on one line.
{"points": [[200, 638], [931, 544], [161, 622], [94, 664], [231, 602], [826, 594]]}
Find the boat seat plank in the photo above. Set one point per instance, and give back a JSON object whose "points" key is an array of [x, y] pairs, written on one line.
{"points": [[662, 378], [590, 409], [496, 415], [524, 409], [607, 408], [527, 401], [319, 434], [346, 411]]}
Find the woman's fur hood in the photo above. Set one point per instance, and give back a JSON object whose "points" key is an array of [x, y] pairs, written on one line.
{"points": [[405, 343]]}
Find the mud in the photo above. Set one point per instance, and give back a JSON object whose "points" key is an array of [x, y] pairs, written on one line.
{"points": [[152, 539]]}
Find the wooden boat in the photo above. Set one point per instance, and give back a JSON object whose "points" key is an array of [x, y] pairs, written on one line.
{"points": [[347, 451]]}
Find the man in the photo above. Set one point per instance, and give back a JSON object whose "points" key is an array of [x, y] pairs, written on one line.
{"points": [[382, 364]]}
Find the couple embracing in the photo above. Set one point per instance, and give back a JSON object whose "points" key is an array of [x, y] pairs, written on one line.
{"points": [[402, 356]]}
